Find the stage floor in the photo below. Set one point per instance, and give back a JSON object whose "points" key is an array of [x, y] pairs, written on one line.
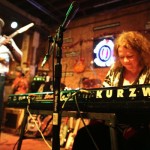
{"points": [[8, 141]]}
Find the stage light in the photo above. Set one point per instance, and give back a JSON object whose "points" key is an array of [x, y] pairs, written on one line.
{"points": [[14, 25]]}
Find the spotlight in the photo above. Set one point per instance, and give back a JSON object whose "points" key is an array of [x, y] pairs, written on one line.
{"points": [[14, 25]]}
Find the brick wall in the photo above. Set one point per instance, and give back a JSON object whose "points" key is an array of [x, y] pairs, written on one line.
{"points": [[131, 18], [82, 31]]}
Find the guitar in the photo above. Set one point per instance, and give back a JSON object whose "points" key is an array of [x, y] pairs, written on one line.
{"points": [[31, 127], [79, 66], [46, 126], [72, 135], [63, 131], [21, 30]]}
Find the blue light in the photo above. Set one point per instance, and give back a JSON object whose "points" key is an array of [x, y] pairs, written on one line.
{"points": [[103, 52]]}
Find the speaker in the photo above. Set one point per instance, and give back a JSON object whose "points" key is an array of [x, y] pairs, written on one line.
{"points": [[13, 118]]}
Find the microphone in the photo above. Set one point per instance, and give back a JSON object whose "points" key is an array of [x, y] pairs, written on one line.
{"points": [[47, 55], [70, 14], [45, 60]]}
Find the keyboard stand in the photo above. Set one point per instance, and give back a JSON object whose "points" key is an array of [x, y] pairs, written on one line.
{"points": [[23, 126]]}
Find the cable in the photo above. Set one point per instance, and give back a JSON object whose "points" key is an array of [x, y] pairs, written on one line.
{"points": [[78, 110], [38, 128], [95, 145], [71, 96], [28, 111], [15, 144]]}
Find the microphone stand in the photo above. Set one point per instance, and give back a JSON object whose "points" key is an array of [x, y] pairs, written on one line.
{"points": [[57, 81], [58, 40]]}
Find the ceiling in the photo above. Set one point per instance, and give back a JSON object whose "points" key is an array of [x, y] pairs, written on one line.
{"points": [[47, 14]]}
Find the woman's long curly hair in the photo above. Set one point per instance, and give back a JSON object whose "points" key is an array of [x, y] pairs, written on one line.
{"points": [[135, 41]]}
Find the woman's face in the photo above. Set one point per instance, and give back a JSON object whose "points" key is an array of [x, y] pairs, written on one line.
{"points": [[129, 58]]}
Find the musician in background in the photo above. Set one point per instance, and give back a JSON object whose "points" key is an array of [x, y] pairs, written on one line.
{"points": [[20, 84], [8, 51], [87, 83], [132, 67]]}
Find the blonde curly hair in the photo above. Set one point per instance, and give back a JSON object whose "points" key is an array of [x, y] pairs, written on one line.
{"points": [[135, 41]]}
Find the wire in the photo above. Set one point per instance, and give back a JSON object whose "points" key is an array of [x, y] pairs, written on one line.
{"points": [[38, 128], [15, 144], [91, 137], [27, 108], [71, 96], [78, 109]]}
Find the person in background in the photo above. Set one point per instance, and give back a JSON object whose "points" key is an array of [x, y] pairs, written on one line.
{"points": [[20, 84], [8, 51], [131, 67], [87, 83]]}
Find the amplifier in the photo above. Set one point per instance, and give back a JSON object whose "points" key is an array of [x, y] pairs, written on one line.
{"points": [[13, 118]]}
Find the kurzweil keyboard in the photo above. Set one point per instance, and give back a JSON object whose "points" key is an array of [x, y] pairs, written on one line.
{"points": [[111, 99]]}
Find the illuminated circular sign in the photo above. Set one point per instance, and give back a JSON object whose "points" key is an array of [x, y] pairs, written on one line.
{"points": [[104, 53]]}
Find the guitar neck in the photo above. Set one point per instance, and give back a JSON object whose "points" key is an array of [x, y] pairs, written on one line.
{"points": [[13, 34], [70, 139], [21, 30]]}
